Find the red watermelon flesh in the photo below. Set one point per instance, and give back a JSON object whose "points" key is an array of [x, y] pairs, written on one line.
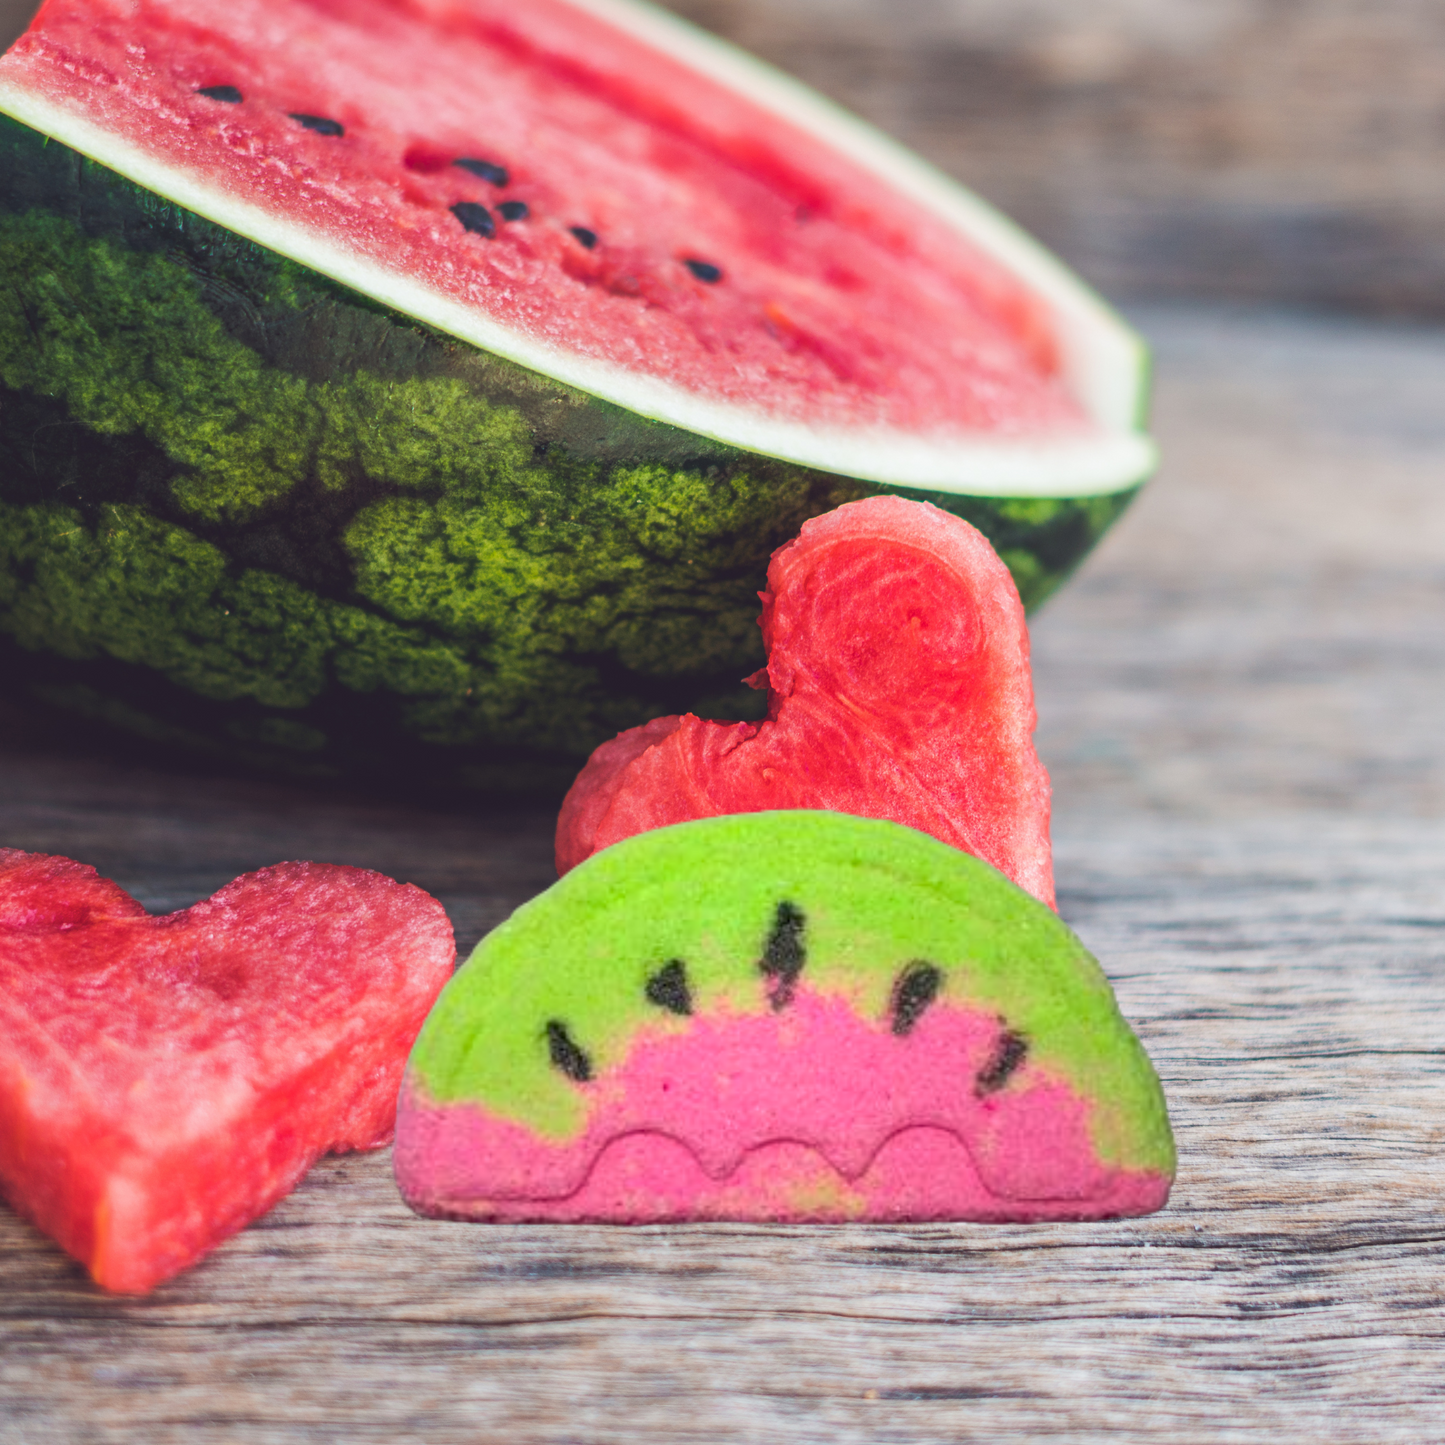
{"points": [[898, 688], [623, 213], [165, 1080]]}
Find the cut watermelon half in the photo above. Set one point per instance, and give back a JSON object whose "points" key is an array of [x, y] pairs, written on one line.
{"points": [[416, 389], [600, 193], [165, 1080]]}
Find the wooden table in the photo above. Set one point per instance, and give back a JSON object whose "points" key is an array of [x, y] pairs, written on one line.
{"points": [[1241, 704]]}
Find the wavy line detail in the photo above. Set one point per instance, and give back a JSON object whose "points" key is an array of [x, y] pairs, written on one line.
{"points": [[815, 1113], [919, 1173]]}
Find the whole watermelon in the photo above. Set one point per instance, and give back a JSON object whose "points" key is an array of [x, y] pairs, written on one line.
{"points": [[283, 481]]}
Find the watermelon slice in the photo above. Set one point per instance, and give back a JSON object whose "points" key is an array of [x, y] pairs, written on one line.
{"points": [[423, 384], [164, 1081], [781, 1016], [898, 687]]}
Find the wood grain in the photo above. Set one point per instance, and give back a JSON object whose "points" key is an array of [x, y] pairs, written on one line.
{"points": [[1240, 704], [14, 17]]}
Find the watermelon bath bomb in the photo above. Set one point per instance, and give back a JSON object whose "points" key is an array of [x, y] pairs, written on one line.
{"points": [[165, 1080], [781, 1016], [416, 389], [898, 687]]}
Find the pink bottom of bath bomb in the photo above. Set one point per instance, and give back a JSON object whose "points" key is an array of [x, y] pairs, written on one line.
{"points": [[816, 1115]]}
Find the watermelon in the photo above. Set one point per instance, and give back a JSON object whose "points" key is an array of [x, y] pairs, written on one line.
{"points": [[164, 1081], [781, 1016], [416, 389], [898, 687]]}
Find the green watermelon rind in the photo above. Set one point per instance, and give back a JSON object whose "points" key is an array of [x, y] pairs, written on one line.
{"points": [[206, 540]]}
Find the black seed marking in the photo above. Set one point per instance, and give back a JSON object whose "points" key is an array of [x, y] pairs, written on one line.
{"points": [[704, 270], [784, 954], [916, 988], [565, 1054], [513, 210], [227, 93], [475, 218], [668, 988], [586, 237], [487, 170], [1008, 1053], [319, 124]]}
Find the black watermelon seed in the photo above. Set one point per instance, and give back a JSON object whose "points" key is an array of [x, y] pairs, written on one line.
{"points": [[703, 270], [668, 988], [916, 988], [475, 218], [586, 237], [228, 93], [565, 1054], [784, 954], [513, 210], [319, 124], [1008, 1053], [487, 170]]}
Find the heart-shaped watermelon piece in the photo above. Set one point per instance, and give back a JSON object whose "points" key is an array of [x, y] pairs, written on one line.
{"points": [[898, 687], [165, 1080]]}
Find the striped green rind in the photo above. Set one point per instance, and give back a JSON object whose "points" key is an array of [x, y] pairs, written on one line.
{"points": [[875, 895], [249, 512]]}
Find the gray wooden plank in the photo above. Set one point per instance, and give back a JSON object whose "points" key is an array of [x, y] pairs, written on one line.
{"points": [[14, 17], [1239, 704]]}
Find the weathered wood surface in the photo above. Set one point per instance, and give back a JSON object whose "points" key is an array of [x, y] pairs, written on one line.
{"points": [[1241, 704], [14, 17]]}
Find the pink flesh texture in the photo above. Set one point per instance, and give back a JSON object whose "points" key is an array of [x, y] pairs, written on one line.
{"points": [[164, 1081], [843, 303], [899, 688], [814, 1115]]}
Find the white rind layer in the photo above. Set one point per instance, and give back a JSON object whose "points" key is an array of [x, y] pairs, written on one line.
{"points": [[1105, 364]]}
